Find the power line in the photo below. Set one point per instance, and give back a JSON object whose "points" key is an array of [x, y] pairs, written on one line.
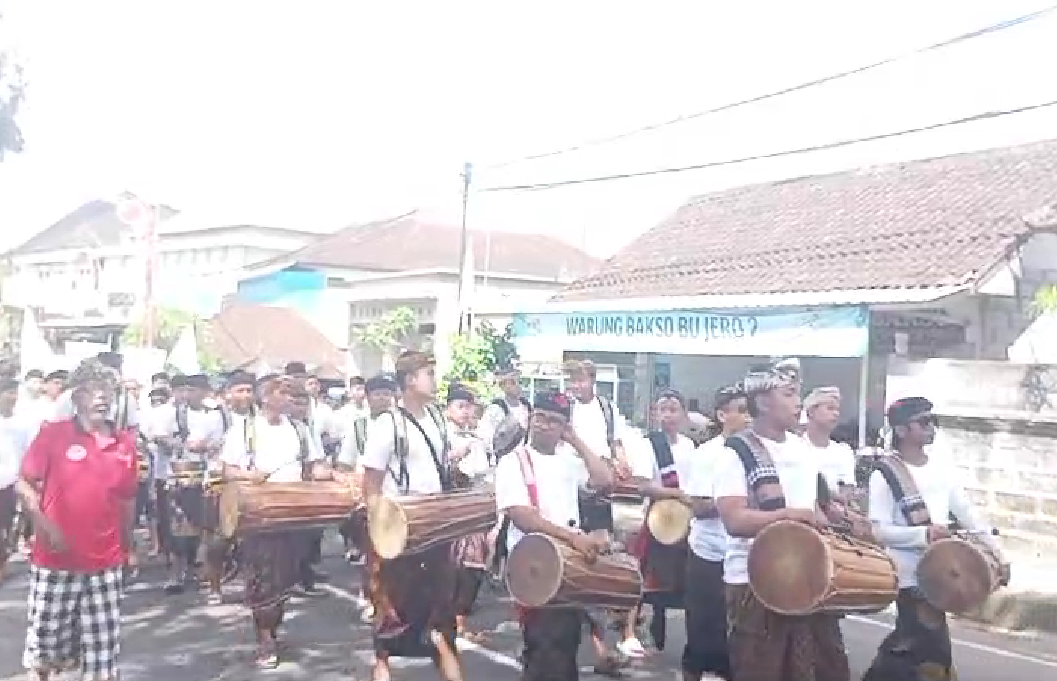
{"points": [[994, 28], [775, 154]]}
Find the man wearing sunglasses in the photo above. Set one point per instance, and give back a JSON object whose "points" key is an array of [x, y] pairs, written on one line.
{"points": [[912, 496]]}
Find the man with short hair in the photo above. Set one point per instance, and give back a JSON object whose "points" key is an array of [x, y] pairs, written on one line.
{"points": [[766, 474], [414, 596], [836, 460], [78, 481]]}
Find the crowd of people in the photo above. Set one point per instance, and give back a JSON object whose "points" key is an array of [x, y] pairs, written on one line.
{"points": [[86, 458]]}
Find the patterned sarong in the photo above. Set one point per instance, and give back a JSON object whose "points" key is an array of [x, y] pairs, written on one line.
{"points": [[766, 646]]}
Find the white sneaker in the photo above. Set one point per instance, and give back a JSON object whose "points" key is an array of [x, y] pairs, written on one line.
{"points": [[631, 647]]}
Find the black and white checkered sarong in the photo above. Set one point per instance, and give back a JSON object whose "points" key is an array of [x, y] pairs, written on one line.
{"points": [[74, 621]]}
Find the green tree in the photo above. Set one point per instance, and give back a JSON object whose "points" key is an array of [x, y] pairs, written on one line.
{"points": [[1045, 300], [12, 92], [391, 328], [476, 358], [169, 324]]}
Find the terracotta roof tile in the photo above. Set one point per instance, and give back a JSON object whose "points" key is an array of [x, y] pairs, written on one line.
{"points": [[411, 243], [936, 222], [251, 336]]}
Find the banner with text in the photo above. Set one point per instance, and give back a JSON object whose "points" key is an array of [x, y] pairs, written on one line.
{"points": [[832, 332]]}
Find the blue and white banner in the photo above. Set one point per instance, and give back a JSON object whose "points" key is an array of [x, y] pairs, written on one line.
{"points": [[830, 332]]}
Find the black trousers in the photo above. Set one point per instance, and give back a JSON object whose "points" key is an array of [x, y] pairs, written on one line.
{"points": [[552, 639], [706, 618]]}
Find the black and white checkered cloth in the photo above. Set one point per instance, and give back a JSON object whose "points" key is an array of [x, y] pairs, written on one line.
{"points": [[74, 621]]}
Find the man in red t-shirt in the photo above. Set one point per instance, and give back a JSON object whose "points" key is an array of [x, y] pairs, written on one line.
{"points": [[78, 482]]}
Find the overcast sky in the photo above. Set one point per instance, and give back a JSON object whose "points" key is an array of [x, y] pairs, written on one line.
{"points": [[318, 114]]}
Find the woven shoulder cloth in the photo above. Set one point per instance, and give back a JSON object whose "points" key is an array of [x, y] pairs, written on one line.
{"points": [[904, 490], [765, 489]]}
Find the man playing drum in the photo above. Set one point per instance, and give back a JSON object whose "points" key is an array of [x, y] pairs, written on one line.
{"points": [[278, 451], [469, 458], [836, 460], [199, 434], [596, 420], [661, 470], [380, 397], [704, 597], [766, 474], [909, 492], [538, 488], [414, 595]]}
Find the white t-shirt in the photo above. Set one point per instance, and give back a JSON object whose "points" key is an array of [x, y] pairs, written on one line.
{"points": [[643, 460], [16, 432], [494, 417], [476, 461], [708, 538], [937, 481], [159, 422], [559, 476], [379, 453], [798, 471], [589, 422], [836, 461], [278, 449]]}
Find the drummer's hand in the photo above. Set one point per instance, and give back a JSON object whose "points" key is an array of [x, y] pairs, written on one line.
{"points": [[623, 470], [938, 532], [258, 477], [197, 446], [589, 547], [801, 515]]}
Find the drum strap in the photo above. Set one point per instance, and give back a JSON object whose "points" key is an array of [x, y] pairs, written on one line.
{"points": [[439, 458], [662, 452], [760, 472], [359, 431], [904, 490], [528, 474]]}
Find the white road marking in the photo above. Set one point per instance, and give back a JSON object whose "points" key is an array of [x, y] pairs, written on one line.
{"points": [[979, 647], [508, 661]]}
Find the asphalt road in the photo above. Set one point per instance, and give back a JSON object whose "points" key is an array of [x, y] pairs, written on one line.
{"points": [[183, 639]]}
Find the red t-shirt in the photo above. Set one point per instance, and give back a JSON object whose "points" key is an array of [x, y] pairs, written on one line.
{"points": [[87, 482]]}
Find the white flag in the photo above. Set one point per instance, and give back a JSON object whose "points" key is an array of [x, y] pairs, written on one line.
{"points": [[34, 351], [184, 355]]}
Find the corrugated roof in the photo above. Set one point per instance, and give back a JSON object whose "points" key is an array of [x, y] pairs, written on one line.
{"points": [[942, 222]]}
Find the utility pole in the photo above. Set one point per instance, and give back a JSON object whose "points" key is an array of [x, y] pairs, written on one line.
{"points": [[150, 309], [465, 267]]}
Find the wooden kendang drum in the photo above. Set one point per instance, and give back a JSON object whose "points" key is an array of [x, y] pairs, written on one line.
{"points": [[251, 508], [957, 575], [795, 569], [187, 472], [668, 521], [542, 572], [412, 524]]}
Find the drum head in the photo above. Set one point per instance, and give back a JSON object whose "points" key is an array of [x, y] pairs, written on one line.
{"points": [[228, 510], [534, 571], [789, 567], [954, 576], [669, 521], [388, 528]]}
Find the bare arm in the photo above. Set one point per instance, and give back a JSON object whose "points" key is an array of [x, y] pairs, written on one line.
{"points": [[652, 489], [743, 521], [600, 475]]}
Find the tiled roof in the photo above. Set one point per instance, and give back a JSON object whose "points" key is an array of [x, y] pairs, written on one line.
{"points": [[92, 225], [254, 336], [413, 243], [937, 222]]}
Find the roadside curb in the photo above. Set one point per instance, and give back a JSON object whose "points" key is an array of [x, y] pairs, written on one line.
{"points": [[1015, 610], [1010, 609]]}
